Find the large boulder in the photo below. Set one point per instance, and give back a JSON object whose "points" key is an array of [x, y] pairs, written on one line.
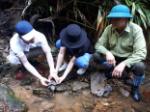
{"points": [[8, 101]]}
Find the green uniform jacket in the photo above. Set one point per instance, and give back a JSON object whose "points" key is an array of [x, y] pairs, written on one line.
{"points": [[130, 44]]}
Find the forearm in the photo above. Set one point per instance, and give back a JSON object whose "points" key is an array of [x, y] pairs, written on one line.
{"points": [[32, 70], [69, 67], [60, 57], [50, 60], [101, 49]]}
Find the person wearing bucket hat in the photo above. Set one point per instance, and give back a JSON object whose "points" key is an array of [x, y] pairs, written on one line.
{"points": [[22, 46], [122, 45], [75, 43]]}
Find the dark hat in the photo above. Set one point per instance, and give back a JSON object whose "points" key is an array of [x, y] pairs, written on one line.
{"points": [[73, 36]]}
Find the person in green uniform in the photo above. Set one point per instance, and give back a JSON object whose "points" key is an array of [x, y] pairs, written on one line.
{"points": [[122, 48]]}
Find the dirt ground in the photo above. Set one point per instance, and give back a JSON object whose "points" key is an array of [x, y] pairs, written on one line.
{"points": [[67, 101], [79, 101]]}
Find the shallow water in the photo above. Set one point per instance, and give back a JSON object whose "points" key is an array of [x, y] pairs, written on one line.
{"points": [[81, 101]]}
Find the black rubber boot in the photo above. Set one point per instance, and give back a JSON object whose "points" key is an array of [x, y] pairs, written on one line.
{"points": [[135, 92]]}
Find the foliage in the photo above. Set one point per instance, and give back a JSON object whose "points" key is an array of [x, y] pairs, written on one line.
{"points": [[88, 13], [139, 9]]}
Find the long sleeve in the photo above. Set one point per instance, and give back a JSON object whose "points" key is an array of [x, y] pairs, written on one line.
{"points": [[139, 48], [102, 43]]}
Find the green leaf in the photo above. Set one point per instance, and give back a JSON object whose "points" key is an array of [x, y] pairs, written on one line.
{"points": [[143, 22], [128, 2], [133, 10]]}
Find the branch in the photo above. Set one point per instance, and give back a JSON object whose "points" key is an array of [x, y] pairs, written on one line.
{"points": [[29, 2]]}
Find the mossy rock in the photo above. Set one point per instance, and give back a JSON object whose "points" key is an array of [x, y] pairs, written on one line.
{"points": [[9, 102]]}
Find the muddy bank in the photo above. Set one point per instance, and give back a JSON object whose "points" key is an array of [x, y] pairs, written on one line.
{"points": [[70, 97], [75, 98], [79, 101]]}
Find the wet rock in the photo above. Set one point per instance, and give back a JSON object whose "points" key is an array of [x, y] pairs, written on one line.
{"points": [[107, 90], [4, 68], [63, 87], [8, 99], [27, 81], [71, 86], [42, 92], [124, 92], [98, 83], [77, 85]]}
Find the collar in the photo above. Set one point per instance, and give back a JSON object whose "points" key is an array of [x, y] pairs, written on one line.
{"points": [[127, 28]]}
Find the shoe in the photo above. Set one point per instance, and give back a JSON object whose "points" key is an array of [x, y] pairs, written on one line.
{"points": [[81, 71], [137, 80], [63, 67], [136, 94]]}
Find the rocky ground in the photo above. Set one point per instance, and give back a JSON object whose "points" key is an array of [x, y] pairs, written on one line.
{"points": [[72, 96], [75, 95]]}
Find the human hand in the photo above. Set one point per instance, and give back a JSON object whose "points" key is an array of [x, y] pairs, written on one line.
{"points": [[53, 74], [118, 70], [60, 80], [44, 81], [110, 58]]}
